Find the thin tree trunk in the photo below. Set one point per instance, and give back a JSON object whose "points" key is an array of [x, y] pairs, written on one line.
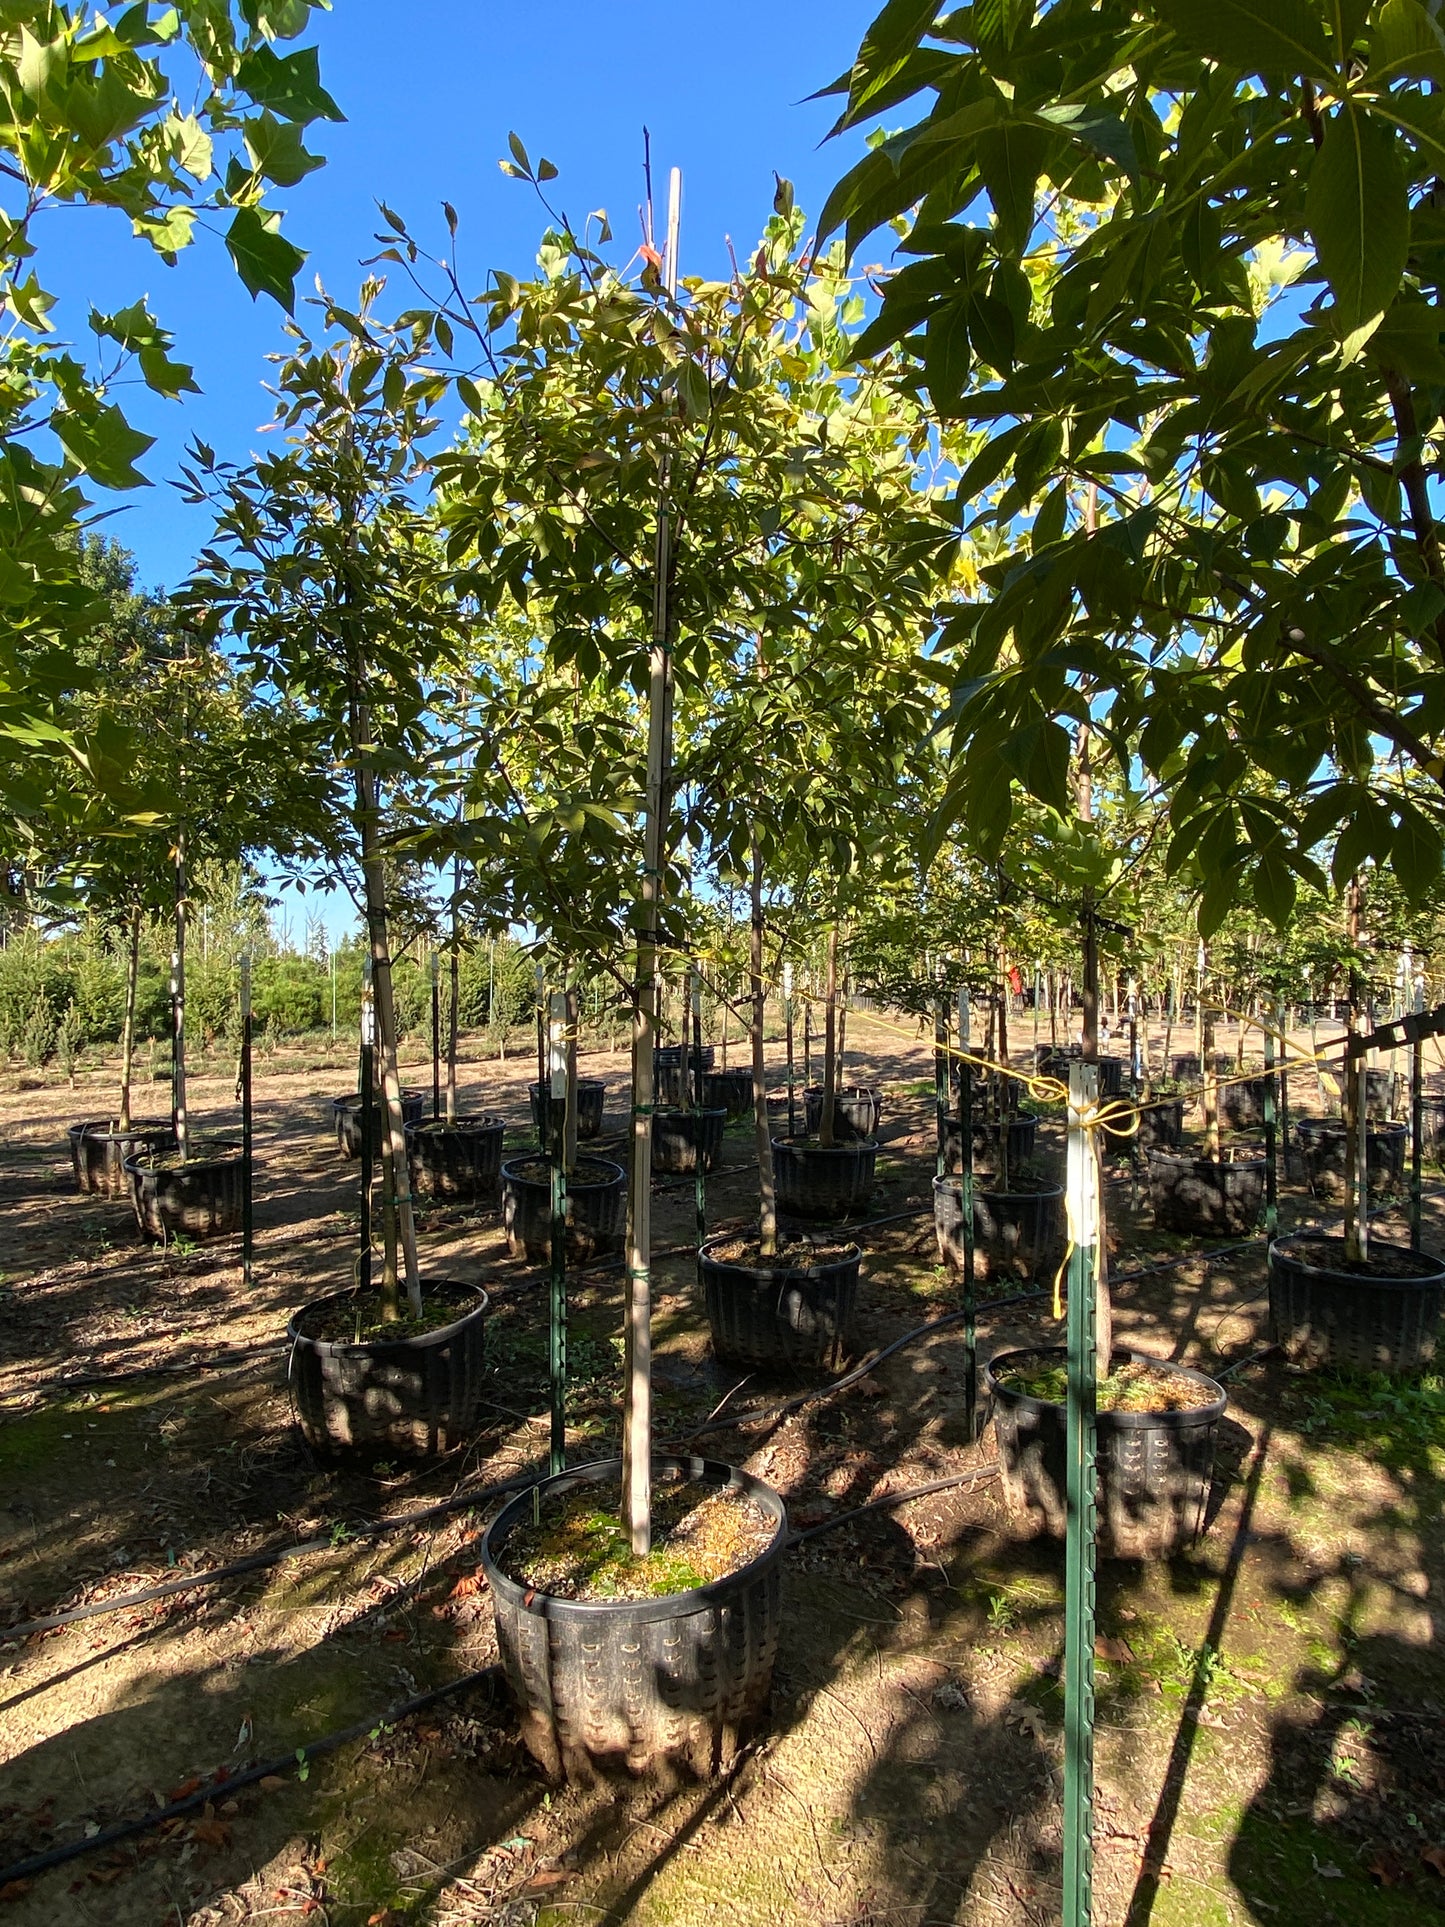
{"points": [[398, 1218], [767, 1193], [569, 1129], [454, 985], [830, 1043], [180, 1116], [127, 1035]]}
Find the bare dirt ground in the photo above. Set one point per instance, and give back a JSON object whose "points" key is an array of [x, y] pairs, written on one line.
{"points": [[1271, 1743]]}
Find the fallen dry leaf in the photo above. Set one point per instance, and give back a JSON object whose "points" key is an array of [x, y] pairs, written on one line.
{"points": [[184, 1790], [1387, 1868], [211, 1833], [270, 1782], [1434, 1858], [14, 1889], [467, 1585], [1117, 1650], [538, 1883]]}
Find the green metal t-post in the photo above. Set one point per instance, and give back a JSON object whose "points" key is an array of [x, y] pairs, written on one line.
{"points": [[788, 1025], [965, 1192], [940, 1080], [694, 979], [248, 1215], [1271, 1175], [1079, 1545], [1417, 1126], [555, 1097]]}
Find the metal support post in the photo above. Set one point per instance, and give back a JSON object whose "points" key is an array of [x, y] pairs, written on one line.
{"points": [[555, 1096], [1271, 1174], [1417, 1126], [1079, 1551], [940, 1080], [965, 1192], [436, 1036], [694, 992], [368, 1110], [248, 1226], [788, 1026]]}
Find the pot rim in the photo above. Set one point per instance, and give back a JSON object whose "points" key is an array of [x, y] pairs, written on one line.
{"points": [[583, 1084], [1128, 1421], [947, 1179], [470, 1126], [851, 1256], [355, 1097], [332, 1347], [806, 1148], [675, 1605], [106, 1127], [510, 1175], [693, 1110], [1419, 1281], [142, 1163], [1251, 1158], [1337, 1127]]}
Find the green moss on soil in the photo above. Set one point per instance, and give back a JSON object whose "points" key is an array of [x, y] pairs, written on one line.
{"points": [[578, 1548]]}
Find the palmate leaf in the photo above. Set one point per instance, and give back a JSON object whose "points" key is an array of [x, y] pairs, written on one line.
{"points": [[1257, 36], [1358, 212], [265, 260]]}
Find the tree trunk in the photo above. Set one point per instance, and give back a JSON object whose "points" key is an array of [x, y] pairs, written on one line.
{"points": [[454, 1000], [569, 1129], [1352, 1103], [767, 1195], [127, 1035], [179, 1115], [398, 1218], [830, 1043]]}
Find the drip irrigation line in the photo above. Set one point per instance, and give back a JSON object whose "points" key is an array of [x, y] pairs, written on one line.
{"points": [[891, 1501], [37, 1863]]}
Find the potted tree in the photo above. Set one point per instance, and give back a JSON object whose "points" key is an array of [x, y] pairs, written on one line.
{"points": [[326, 573]]}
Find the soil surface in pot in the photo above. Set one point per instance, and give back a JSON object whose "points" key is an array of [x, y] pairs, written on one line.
{"points": [[1130, 1387], [1328, 1254], [795, 1253], [358, 1319], [539, 1171], [203, 1152], [578, 1548], [1021, 1184]]}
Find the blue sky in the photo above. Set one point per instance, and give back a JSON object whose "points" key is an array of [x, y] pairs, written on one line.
{"points": [[430, 92]]}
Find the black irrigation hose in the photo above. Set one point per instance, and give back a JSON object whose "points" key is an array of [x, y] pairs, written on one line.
{"points": [[263, 1561], [223, 1789], [891, 1501]]}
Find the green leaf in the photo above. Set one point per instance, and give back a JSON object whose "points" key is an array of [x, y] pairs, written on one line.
{"points": [[289, 84], [103, 443], [1407, 44], [887, 46], [1358, 213], [277, 149], [1010, 159], [519, 156], [1274, 887], [947, 357], [265, 260], [1408, 340], [1417, 854], [1257, 36]]}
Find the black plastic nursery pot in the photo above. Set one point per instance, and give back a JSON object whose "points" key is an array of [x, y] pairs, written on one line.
{"points": [[1327, 1152], [409, 1396], [1242, 1105], [1432, 1128], [201, 1198], [681, 1679], [1154, 1468], [1161, 1124], [1186, 1067], [1013, 1231], [596, 1208], [1207, 1197], [591, 1096], [460, 1161], [681, 1138], [99, 1149], [667, 1070], [823, 1182], [1022, 1135], [776, 1316], [346, 1115], [855, 1112], [1385, 1317], [1111, 1076], [730, 1090], [1381, 1095]]}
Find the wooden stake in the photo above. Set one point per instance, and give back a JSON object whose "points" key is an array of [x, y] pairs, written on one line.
{"points": [[767, 1193]]}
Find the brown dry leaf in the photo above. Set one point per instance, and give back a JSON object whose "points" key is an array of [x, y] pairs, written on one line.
{"points": [[15, 1889], [104, 1876], [395, 1636], [184, 1790], [270, 1782], [1434, 1858], [212, 1833], [1117, 1650], [388, 1917], [1387, 1868], [467, 1585], [538, 1883]]}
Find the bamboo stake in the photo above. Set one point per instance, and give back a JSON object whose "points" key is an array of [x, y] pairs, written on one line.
{"points": [[767, 1193]]}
